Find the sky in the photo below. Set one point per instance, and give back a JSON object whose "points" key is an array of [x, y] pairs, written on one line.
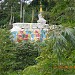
{"points": [[1, 1], [27, 1]]}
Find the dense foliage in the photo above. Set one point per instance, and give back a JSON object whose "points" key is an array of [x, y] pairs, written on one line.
{"points": [[56, 55], [55, 11], [15, 56], [7, 48], [25, 54]]}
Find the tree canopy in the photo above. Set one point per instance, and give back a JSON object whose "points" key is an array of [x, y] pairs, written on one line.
{"points": [[55, 11], [53, 56]]}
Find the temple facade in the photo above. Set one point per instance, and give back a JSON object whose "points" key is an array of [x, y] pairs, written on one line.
{"points": [[31, 31]]}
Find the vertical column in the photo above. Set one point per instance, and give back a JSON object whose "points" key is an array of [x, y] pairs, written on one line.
{"points": [[40, 7], [23, 14], [11, 16], [0, 5], [21, 11]]}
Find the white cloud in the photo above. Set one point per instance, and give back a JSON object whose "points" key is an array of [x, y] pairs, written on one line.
{"points": [[1, 1], [29, 1]]}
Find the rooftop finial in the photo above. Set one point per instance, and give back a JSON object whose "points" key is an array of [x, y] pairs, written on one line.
{"points": [[40, 7]]}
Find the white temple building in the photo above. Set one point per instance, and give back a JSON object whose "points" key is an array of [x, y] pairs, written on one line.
{"points": [[31, 31]]}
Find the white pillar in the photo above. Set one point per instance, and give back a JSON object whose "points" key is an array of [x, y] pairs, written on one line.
{"points": [[21, 11], [23, 14]]}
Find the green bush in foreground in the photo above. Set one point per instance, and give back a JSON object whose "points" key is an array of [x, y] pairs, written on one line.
{"points": [[15, 56], [58, 56], [7, 49], [26, 52]]}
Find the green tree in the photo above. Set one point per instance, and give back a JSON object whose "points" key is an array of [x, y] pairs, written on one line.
{"points": [[59, 51], [7, 49], [14, 57], [63, 12], [5, 12], [26, 52]]}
